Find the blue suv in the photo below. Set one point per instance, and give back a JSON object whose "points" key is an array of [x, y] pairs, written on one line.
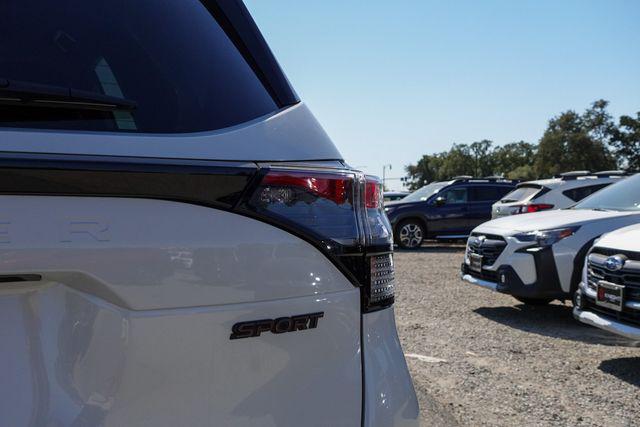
{"points": [[445, 209]]}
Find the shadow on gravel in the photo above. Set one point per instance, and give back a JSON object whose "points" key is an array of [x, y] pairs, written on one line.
{"points": [[625, 368], [432, 249], [552, 320]]}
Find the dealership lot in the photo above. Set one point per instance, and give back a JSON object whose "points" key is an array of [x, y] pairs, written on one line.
{"points": [[482, 358]]}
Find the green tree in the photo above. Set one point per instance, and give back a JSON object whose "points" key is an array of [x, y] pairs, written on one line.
{"points": [[524, 172], [626, 141], [483, 160], [426, 170], [458, 161], [515, 160], [576, 142]]}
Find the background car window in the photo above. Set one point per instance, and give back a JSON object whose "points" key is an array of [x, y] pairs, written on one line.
{"points": [[455, 195], [577, 194], [486, 193], [171, 57]]}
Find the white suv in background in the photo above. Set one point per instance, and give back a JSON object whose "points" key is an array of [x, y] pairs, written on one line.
{"points": [[609, 293], [553, 193], [181, 243], [539, 257]]}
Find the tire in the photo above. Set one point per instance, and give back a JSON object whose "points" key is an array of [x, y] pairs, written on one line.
{"points": [[534, 301], [410, 234]]}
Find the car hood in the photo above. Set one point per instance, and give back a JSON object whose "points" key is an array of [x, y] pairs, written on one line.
{"points": [[546, 220], [623, 239]]}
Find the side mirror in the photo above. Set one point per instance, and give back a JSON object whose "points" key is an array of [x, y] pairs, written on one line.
{"points": [[440, 201]]}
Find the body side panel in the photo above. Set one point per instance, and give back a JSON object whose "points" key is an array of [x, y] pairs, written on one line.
{"points": [[390, 399]]}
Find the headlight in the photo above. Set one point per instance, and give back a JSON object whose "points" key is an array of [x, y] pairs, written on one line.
{"points": [[546, 238], [388, 210]]}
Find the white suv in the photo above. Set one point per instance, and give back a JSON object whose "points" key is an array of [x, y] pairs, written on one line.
{"points": [[553, 193], [538, 257], [609, 294], [182, 244]]}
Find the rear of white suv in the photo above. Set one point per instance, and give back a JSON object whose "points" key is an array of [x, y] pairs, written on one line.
{"points": [[553, 193], [181, 242]]}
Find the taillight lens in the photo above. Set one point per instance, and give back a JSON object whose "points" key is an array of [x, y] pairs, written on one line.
{"points": [[534, 207], [341, 213]]}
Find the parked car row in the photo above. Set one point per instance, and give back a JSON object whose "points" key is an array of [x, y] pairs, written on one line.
{"points": [[451, 209], [589, 252]]}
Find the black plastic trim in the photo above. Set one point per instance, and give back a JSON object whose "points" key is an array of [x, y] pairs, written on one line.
{"points": [[13, 278], [208, 183]]}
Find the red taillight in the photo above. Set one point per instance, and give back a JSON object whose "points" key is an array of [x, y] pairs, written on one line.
{"points": [[372, 193], [534, 207], [341, 212], [327, 186]]}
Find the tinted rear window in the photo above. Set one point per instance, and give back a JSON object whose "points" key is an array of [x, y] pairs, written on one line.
{"points": [[520, 194], [170, 56]]}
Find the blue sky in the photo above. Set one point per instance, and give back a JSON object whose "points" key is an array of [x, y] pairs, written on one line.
{"points": [[392, 80]]}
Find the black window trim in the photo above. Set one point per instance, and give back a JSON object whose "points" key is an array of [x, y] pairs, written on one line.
{"points": [[237, 23]]}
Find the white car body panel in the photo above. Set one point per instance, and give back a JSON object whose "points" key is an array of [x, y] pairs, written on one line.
{"points": [[130, 323], [388, 400], [289, 134], [623, 239], [153, 254]]}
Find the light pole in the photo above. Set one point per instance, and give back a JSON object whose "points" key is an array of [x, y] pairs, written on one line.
{"points": [[384, 176]]}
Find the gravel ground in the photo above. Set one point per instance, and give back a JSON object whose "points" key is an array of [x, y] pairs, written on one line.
{"points": [[482, 358]]}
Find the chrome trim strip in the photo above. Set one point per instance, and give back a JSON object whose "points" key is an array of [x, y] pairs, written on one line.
{"points": [[479, 282], [606, 323]]}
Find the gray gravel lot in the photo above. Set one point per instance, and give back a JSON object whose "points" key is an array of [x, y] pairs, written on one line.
{"points": [[482, 358]]}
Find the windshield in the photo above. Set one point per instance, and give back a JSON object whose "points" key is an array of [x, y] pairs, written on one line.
{"points": [[621, 196], [172, 57], [423, 193], [520, 194]]}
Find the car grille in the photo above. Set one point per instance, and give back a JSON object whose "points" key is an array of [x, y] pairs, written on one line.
{"points": [[629, 276], [487, 245]]}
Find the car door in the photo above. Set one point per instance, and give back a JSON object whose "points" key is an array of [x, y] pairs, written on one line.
{"points": [[448, 212], [481, 198]]}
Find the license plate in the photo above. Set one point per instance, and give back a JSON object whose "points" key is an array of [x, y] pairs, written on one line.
{"points": [[610, 295], [475, 263]]}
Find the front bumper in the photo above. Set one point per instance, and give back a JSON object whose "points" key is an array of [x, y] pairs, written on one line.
{"points": [[506, 280], [607, 323], [586, 311]]}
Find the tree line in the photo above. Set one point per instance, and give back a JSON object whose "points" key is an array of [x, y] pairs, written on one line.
{"points": [[592, 140]]}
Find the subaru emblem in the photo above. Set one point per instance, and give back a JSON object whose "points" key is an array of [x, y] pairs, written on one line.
{"points": [[614, 263]]}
